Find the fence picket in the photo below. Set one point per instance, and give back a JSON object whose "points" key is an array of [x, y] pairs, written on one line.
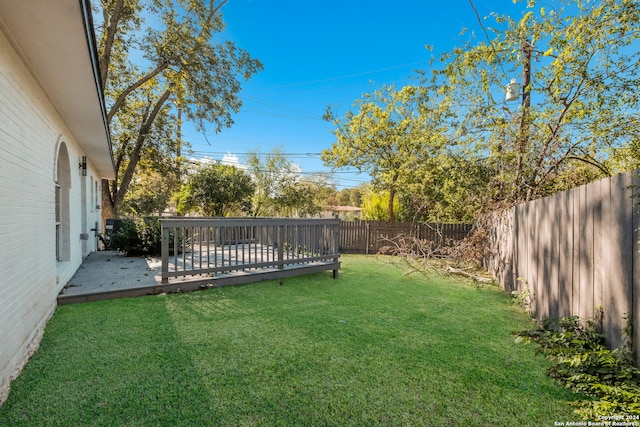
{"points": [[365, 237], [578, 252]]}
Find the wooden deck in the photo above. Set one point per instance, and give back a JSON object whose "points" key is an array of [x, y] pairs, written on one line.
{"points": [[208, 253]]}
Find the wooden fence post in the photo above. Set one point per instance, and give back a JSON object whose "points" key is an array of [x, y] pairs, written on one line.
{"points": [[164, 251], [335, 231], [280, 240], [366, 248]]}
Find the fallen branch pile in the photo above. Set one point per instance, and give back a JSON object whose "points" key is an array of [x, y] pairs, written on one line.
{"points": [[463, 258]]}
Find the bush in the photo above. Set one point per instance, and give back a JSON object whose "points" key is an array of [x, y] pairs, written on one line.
{"points": [[583, 364], [138, 237]]}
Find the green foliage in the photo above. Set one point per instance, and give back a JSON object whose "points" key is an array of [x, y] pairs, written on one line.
{"points": [[280, 189], [375, 206], [299, 200], [450, 188], [578, 108], [216, 190], [350, 196], [271, 173], [523, 298], [150, 193], [388, 134], [342, 197], [582, 363], [189, 72], [138, 237]]}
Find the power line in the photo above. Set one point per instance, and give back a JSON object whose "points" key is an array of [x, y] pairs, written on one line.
{"points": [[297, 111], [295, 119], [200, 155], [341, 77], [331, 89], [286, 154]]}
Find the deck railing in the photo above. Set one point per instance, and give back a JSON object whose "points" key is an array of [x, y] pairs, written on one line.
{"points": [[208, 249]]}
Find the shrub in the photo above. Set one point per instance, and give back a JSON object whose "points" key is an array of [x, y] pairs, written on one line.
{"points": [[583, 364], [138, 237]]}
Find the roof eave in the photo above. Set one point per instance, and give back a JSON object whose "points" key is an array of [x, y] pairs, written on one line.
{"points": [[57, 43]]}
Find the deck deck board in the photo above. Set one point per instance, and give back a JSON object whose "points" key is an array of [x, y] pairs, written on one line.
{"points": [[111, 275]]}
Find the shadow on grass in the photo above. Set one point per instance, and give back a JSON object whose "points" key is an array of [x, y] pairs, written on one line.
{"points": [[109, 363], [371, 348]]}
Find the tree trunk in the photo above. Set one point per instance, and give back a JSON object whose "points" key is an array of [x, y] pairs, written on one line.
{"points": [[392, 197], [392, 216], [112, 28], [108, 208], [113, 195]]}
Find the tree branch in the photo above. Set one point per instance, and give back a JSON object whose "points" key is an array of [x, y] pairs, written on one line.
{"points": [[134, 157], [150, 75], [112, 28], [591, 162]]}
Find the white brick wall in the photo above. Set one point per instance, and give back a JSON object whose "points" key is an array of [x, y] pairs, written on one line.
{"points": [[30, 276]]}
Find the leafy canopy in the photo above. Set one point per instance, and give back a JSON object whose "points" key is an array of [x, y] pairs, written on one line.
{"points": [[271, 173], [216, 190], [451, 146], [159, 59], [387, 134], [580, 71]]}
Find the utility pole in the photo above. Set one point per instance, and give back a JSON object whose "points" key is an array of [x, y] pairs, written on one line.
{"points": [[526, 48]]}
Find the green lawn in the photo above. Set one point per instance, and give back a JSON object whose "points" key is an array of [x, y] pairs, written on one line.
{"points": [[371, 348]]}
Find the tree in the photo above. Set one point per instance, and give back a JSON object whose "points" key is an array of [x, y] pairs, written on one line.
{"points": [[387, 135], [355, 198], [343, 197], [299, 200], [350, 197], [580, 75], [375, 205], [216, 190], [185, 65], [451, 188], [150, 193], [323, 188], [271, 174]]}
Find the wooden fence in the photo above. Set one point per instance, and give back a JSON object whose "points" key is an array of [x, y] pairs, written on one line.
{"points": [[576, 252], [367, 237], [200, 252]]}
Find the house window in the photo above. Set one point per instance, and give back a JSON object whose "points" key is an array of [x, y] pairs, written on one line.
{"points": [[57, 222], [62, 217], [93, 205]]}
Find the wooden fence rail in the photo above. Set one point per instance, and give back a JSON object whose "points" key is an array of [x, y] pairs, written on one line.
{"points": [[367, 237], [223, 251], [576, 253]]}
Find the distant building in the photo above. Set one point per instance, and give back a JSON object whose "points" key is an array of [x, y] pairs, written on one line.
{"points": [[55, 152], [345, 213]]}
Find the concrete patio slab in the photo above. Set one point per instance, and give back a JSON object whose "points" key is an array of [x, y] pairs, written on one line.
{"points": [[109, 272]]}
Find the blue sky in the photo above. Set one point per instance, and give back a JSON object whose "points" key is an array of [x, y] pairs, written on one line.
{"points": [[317, 54]]}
